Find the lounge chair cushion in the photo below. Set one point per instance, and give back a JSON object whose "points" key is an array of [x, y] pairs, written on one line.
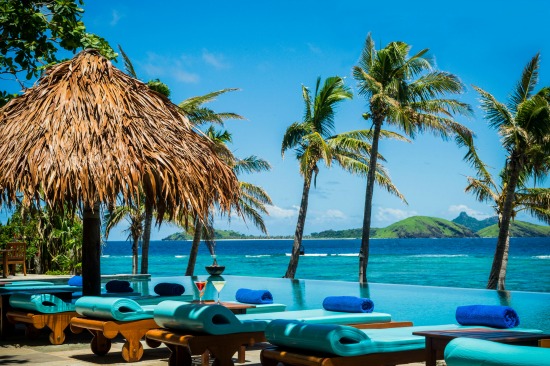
{"points": [[477, 352], [320, 316], [336, 339], [350, 304], [30, 284], [197, 318], [112, 308], [41, 303], [156, 299], [487, 315], [319, 338], [265, 308]]}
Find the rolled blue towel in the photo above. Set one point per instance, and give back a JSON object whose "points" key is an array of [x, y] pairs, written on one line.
{"points": [[349, 304], [488, 315], [118, 286], [169, 289], [254, 296], [75, 281]]}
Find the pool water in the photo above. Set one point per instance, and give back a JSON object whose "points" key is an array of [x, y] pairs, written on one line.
{"points": [[424, 305]]}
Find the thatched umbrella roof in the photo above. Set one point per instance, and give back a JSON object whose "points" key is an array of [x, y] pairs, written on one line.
{"points": [[89, 133]]}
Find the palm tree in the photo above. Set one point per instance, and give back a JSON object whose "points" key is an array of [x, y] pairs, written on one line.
{"points": [[252, 200], [524, 127], [198, 115], [406, 93], [313, 141], [135, 215]]}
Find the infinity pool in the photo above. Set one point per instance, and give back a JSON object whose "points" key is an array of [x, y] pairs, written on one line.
{"points": [[423, 305]]}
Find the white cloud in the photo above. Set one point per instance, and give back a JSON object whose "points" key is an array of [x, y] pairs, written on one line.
{"points": [[334, 214], [457, 209], [393, 214], [281, 213], [214, 60], [186, 77], [159, 66], [115, 17], [314, 49]]}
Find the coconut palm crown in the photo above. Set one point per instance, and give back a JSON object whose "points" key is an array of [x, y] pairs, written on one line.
{"points": [[313, 140], [404, 92]]}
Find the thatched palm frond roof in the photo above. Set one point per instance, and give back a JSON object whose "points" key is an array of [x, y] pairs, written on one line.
{"points": [[88, 132]]}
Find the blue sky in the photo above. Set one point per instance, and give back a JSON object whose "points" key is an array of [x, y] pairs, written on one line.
{"points": [[269, 49]]}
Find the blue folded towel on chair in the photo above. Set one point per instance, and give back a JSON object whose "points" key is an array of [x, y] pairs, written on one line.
{"points": [[118, 286], [254, 296], [169, 289], [75, 281], [488, 315], [349, 304]]}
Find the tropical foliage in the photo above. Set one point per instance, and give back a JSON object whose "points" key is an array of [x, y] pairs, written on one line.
{"points": [[33, 31], [54, 239], [313, 141], [252, 199], [523, 125], [404, 92]]}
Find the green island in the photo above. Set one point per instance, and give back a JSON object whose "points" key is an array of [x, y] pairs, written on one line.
{"points": [[463, 226]]}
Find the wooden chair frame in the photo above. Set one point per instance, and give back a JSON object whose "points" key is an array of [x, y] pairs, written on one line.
{"points": [[17, 255], [105, 330], [56, 322]]}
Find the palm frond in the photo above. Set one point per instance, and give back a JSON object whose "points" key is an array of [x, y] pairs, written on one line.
{"points": [[526, 84], [127, 63], [251, 164], [495, 112], [482, 190], [293, 136]]}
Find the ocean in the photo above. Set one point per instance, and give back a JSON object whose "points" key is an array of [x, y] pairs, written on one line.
{"points": [[463, 262]]}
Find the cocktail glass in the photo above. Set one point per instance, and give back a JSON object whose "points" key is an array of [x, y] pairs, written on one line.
{"points": [[201, 285], [218, 285]]}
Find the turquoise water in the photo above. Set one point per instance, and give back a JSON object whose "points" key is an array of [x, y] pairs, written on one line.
{"points": [[424, 305], [422, 280], [429, 262]]}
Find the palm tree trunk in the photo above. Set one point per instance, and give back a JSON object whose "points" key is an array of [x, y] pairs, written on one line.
{"points": [[91, 241], [497, 277], [295, 256], [193, 253], [146, 238], [135, 256], [371, 176]]}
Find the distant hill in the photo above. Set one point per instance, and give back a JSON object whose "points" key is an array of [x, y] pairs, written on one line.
{"points": [[473, 223], [424, 227], [413, 227], [218, 234], [517, 229], [342, 234]]}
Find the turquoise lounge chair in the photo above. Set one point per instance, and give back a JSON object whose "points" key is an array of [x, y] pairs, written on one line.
{"points": [[194, 329], [303, 344], [321, 316], [262, 308], [106, 317], [477, 352], [38, 311]]}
